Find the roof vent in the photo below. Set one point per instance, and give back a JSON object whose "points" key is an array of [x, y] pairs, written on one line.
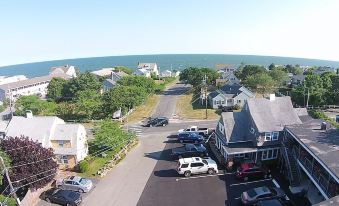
{"points": [[323, 126], [29, 114], [272, 97]]}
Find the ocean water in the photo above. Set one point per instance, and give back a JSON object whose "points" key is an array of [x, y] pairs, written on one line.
{"points": [[165, 61]]}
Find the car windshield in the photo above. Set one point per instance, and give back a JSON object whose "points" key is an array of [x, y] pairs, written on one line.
{"points": [[205, 162], [84, 181], [251, 193]]}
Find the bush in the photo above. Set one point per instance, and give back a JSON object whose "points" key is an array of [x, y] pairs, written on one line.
{"points": [[236, 107], [10, 201], [83, 166]]}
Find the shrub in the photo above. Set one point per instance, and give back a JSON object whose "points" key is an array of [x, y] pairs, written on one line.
{"points": [[10, 201], [236, 107], [83, 166]]}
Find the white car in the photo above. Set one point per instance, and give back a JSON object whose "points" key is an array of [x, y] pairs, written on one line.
{"points": [[197, 165]]}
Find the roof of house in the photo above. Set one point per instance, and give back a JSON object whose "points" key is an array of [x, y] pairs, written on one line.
{"points": [[36, 128], [323, 143], [236, 126], [149, 66], [110, 82], [65, 132], [230, 91], [272, 115], [121, 73], [32, 81], [224, 66], [64, 68], [103, 72]]}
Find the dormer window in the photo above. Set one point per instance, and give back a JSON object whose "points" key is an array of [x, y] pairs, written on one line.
{"points": [[275, 136], [268, 136]]}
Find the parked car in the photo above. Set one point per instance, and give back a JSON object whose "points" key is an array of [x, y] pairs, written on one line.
{"points": [[190, 150], [225, 109], [62, 197], [157, 121], [197, 165], [255, 195], [195, 129], [250, 170], [272, 202], [75, 183], [190, 137]]}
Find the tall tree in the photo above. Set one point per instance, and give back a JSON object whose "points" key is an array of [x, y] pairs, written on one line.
{"points": [[32, 166], [261, 83], [194, 75], [85, 81], [249, 70], [35, 104], [278, 75], [55, 88], [272, 66], [138, 81], [88, 103]]}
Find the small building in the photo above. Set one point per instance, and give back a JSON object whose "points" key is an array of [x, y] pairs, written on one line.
{"points": [[105, 72], [147, 69], [35, 86], [68, 141], [229, 95], [166, 73], [110, 83], [7, 80], [67, 70]]}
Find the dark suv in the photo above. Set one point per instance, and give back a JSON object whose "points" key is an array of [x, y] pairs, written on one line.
{"points": [[250, 170], [157, 121]]}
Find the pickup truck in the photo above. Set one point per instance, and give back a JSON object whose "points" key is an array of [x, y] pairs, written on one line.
{"points": [[190, 137], [190, 150], [199, 130]]}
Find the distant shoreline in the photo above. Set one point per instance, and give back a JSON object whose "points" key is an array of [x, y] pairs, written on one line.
{"points": [[165, 61]]}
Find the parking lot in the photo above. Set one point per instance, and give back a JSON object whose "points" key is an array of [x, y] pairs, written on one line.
{"points": [[166, 187]]}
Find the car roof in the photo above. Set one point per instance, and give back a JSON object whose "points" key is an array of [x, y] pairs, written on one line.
{"points": [[189, 160], [246, 166], [272, 202], [262, 190], [74, 178]]}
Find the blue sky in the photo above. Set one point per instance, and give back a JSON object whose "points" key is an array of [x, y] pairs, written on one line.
{"points": [[47, 30]]}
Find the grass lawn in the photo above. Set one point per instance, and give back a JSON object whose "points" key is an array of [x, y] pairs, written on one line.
{"points": [[185, 109], [144, 110]]}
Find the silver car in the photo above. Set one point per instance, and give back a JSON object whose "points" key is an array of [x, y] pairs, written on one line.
{"points": [[75, 183], [254, 195]]}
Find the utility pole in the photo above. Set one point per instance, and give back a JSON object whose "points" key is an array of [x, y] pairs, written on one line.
{"points": [[5, 172]]}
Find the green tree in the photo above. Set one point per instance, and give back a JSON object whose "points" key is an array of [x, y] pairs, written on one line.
{"points": [[279, 76], [67, 111], [261, 83], [124, 97], [145, 83], [272, 66], [88, 104], [85, 81], [35, 104], [55, 88], [108, 134], [123, 69], [194, 76], [249, 70]]}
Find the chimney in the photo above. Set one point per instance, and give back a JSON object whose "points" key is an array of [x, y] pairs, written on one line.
{"points": [[272, 97], [323, 126], [29, 114]]}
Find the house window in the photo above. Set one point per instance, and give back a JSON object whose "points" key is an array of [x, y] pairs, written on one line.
{"points": [[252, 130], [61, 143], [239, 155], [269, 154], [64, 159], [275, 136], [267, 136], [221, 128], [239, 101], [223, 102]]}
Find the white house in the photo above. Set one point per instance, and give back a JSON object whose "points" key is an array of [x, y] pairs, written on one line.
{"points": [[166, 73], [146, 69], [67, 69], [105, 72], [69, 141], [34, 86], [16, 78]]}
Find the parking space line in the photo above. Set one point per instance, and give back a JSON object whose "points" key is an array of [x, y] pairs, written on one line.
{"points": [[276, 183], [245, 183], [196, 177], [237, 198]]}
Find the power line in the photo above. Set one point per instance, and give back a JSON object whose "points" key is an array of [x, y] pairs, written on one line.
{"points": [[35, 175], [30, 163]]}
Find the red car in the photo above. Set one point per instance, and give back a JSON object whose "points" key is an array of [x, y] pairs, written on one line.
{"points": [[250, 170]]}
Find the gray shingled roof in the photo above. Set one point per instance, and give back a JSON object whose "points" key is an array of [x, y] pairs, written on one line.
{"points": [[273, 115], [63, 68], [236, 126], [323, 143], [32, 81], [231, 89]]}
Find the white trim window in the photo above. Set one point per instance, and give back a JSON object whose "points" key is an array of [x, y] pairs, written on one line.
{"points": [[61, 143], [62, 159], [270, 154], [268, 136], [221, 128], [275, 136]]}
